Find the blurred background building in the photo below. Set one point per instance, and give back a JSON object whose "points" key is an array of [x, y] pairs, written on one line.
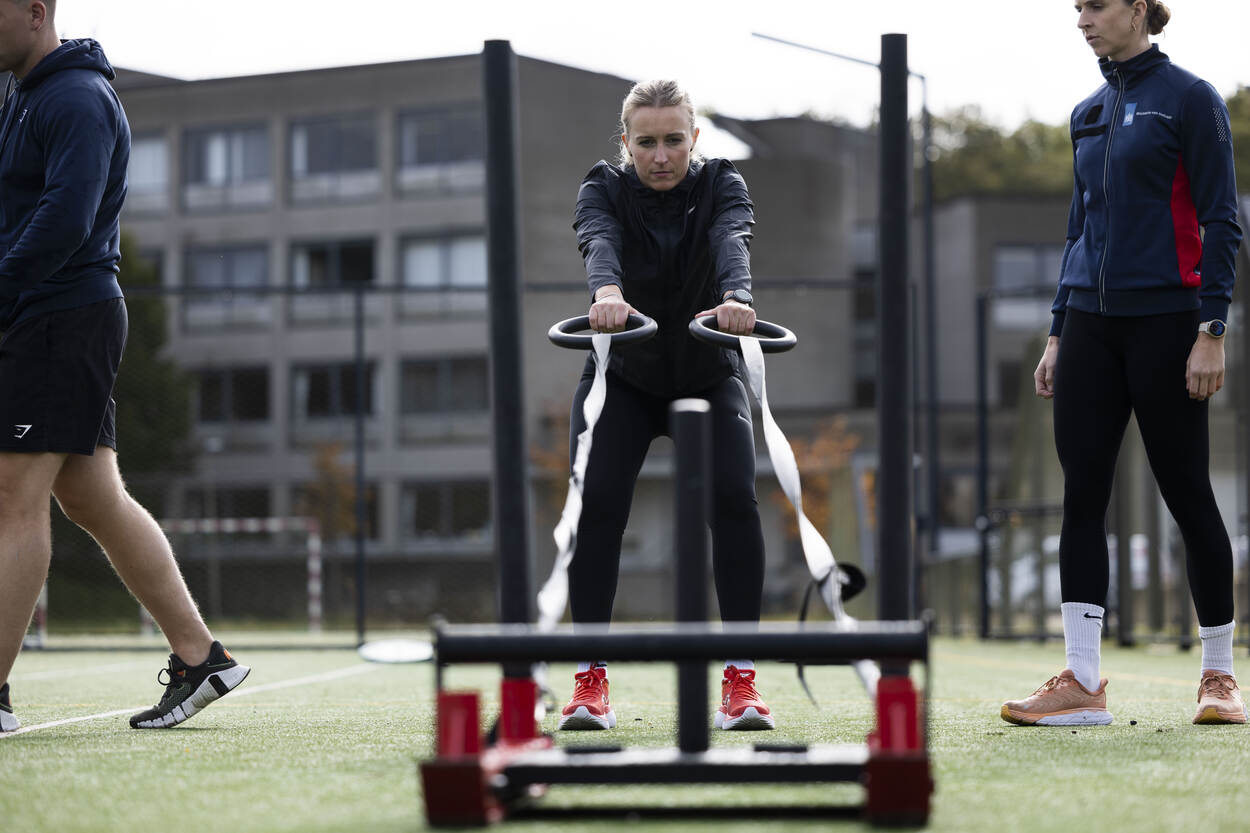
{"points": [[263, 203]]}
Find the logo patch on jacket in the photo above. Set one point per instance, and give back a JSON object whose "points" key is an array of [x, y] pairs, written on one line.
{"points": [[1130, 110]]}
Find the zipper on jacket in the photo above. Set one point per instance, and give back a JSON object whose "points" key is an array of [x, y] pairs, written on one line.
{"points": [[1106, 196]]}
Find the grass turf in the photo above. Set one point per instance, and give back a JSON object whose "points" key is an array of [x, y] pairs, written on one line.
{"points": [[338, 753]]}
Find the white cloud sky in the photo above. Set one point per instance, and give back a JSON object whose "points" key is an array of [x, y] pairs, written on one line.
{"points": [[1014, 59]]}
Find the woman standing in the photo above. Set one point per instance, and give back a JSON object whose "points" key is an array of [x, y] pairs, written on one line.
{"points": [[1138, 326], [666, 233]]}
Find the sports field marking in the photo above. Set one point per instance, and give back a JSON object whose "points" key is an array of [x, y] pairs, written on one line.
{"points": [[349, 671]]}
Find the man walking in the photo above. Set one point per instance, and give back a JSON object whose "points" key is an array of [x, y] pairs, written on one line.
{"points": [[64, 148]]}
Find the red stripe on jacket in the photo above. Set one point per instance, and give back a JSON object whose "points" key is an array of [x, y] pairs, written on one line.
{"points": [[1185, 228]]}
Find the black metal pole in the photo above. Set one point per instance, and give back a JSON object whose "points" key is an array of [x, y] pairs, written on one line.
{"points": [[361, 570], [511, 486], [933, 467], [893, 390], [983, 458], [692, 476]]}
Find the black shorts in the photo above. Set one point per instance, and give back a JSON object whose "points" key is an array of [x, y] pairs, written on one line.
{"points": [[56, 380]]}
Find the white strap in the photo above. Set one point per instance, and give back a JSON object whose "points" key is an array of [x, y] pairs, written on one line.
{"points": [[554, 596], [820, 561]]}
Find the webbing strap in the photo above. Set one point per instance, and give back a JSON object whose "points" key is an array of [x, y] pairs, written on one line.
{"points": [[553, 598], [820, 561]]}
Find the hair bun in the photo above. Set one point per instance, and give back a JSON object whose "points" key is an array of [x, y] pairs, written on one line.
{"points": [[1157, 16]]}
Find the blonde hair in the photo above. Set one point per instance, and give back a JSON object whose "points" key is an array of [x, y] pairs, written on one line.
{"points": [[658, 93]]}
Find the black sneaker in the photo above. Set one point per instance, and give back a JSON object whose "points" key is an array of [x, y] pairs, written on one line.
{"points": [[8, 723], [190, 689]]}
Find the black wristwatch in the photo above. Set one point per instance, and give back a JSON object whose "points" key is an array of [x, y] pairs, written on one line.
{"points": [[739, 295]]}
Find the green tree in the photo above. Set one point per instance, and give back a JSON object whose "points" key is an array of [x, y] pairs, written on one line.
{"points": [[1239, 114], [974, 156]]}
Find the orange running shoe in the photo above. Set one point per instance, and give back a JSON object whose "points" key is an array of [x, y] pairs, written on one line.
{"points": [[589, 708], [1061, 701], [740, 704], [1219, 701]]}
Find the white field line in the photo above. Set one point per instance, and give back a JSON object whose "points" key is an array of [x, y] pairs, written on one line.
{"points": [[327, 676]]}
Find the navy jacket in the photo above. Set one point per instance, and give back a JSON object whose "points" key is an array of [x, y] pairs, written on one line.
{"points": [[64, 148], [1153, 163], [673, 253]]}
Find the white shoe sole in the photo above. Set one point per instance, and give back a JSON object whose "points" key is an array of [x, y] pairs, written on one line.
{"points": [[9, 722], [749, 720], [214, 687], [1089, 717], [583, 719]]}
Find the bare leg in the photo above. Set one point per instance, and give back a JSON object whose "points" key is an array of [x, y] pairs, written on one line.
{"points": [[92, 495], [25, 544]]}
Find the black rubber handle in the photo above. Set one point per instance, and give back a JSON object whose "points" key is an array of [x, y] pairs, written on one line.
{"points": [[773, 338], [571, 332]]}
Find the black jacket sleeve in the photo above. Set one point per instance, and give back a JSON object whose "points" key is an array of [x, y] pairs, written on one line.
{"points": [[598, 231], [729, 238]]}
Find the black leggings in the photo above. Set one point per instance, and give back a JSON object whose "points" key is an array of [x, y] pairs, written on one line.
{"points": [[1108, 367], [631, 419]]}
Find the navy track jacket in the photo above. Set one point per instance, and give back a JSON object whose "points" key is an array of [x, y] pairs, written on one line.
{"points": [[64, 148], [1153, 163], [673, 253]]}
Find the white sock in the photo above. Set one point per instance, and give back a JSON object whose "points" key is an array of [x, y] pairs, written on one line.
{"points": [[1217, 647], [583, 667], [1082, 640], [740, 664]]}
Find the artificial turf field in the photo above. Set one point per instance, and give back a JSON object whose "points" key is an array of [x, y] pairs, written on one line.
{"points": [[337, 751]]}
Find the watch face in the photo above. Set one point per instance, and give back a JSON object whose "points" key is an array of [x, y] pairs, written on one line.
{"points": [[1216, 328]]}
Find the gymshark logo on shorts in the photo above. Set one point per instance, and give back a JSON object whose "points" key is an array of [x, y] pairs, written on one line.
{"points": [[21, 431]]}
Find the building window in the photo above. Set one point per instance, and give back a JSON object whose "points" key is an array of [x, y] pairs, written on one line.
{"points": [[444, 385], [1025, 279], [332, 264], [328, 392], [448, 275], [227, 168], [441, 150], [335, 159], [147, 178], [456, 511], [228, 269], [228, 502], [237, 394]]}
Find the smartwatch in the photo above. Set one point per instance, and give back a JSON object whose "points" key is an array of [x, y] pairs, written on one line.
{"points": [[1214, 328], [744, 297]]}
